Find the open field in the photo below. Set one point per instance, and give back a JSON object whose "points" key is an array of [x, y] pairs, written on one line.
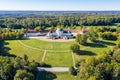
{"points": [[19, 50], [58, 53], [59, 59], [35, 49], [47, 45], [56, 76]]}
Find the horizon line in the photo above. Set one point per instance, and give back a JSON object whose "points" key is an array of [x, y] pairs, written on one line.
{"points": [[59, 10]]}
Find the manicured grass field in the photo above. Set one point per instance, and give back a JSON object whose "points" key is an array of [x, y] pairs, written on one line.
{"points": [[32, 48], [47, 45], [56, 76], [59, 59], [19, 50], [56, 58]]}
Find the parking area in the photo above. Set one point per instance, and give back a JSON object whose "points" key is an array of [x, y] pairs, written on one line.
{"points": [[44, 38]]}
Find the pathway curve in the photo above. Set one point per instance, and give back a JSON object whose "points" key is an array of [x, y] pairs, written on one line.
{"points": [[29, 46], [41, 48]]}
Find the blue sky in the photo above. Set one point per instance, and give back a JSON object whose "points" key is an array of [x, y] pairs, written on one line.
{"points": [[59, 5]]}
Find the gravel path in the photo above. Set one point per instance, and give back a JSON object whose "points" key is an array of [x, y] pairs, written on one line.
{"points": [[54, 69], [43, 58], [73, 59], [50, 40]]}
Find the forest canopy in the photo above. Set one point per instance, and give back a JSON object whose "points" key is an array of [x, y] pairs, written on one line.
{"points": [[58, 20]]}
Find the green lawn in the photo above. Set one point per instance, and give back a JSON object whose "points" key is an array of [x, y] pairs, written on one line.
{"points": [[56, 58], [93, 49], [19, 50], [52, 58], [47, 45], [62, 59], [56, 76]]}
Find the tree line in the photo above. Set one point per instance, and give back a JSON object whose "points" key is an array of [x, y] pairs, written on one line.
{"points": [[98, 33], [11, 34], [63, 20]]}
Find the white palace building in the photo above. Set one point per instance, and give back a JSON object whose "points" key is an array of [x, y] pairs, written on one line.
{"points": [[59, 33]]}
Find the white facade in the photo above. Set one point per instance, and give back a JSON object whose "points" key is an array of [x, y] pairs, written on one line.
{"points": [[60, 33], [52, 34], [33, 34]]}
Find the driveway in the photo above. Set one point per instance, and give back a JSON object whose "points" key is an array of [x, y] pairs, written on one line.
{"points": [[50, 40], [54, 69]]}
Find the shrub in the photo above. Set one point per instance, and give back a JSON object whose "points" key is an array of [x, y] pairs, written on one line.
{"points": [[92, 36], [38, 28], [118, 43], [81, 39], [73, 71], [92, 78], [75, 48], [43, 64], [116, 55], [109, 36]]}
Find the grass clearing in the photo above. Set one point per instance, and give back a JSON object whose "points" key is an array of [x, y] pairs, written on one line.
{"points": [[52, 58], [19, 50], [47, 45], [59, 59]]}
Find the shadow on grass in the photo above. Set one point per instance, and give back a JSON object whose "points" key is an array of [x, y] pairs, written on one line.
{"points": [[99, 44], [27, 38], [105, 43], [7, 54], [6, 43], [43, 64], [43, 75], [46, 65], [83, 52], [5, 51], [10, 55]]}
